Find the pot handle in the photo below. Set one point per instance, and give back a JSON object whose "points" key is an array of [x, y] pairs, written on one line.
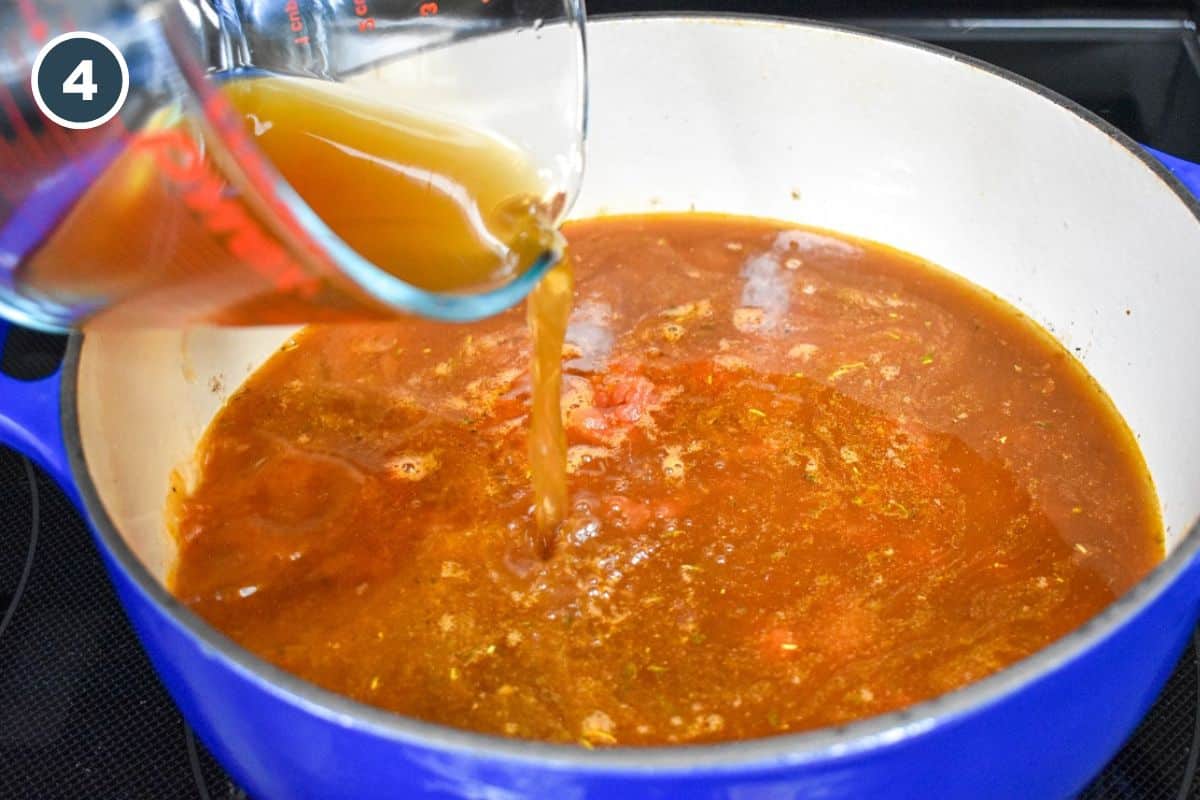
{"points": [[30, 421], [1187, 172]]}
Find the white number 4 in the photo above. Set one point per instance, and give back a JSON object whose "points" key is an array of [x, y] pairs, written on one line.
{"points": [[80, 81]]}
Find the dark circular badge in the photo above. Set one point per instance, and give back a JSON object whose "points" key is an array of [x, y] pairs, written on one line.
{"points": [[80, 80]]}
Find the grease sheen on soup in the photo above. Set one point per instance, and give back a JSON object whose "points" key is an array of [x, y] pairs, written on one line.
{"points": [[812, 479]]}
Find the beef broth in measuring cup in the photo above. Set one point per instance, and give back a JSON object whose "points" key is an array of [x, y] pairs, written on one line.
{"points": [[255, 175], [441, 207]]}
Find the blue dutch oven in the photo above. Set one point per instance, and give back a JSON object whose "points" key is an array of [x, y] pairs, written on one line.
{"points": [[997, 179]]}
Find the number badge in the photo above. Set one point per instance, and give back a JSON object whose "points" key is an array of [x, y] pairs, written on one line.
{"points": [[80, 80]]}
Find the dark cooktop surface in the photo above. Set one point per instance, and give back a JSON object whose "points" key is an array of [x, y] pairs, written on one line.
{"points": [[81, 711]]}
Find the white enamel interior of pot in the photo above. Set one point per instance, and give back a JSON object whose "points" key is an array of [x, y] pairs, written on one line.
{"points": [[820, 126]]}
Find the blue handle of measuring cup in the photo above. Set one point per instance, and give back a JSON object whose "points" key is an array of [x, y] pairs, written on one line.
{"points": [[1187, 172], [31, 423]]}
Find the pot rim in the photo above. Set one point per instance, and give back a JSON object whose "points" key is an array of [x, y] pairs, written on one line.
{"points": [[818, 745]]}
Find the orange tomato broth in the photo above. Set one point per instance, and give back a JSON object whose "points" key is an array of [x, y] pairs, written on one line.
{"points": [[812, 479]]}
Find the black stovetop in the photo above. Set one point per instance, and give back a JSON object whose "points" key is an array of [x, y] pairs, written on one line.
{"points": [[82, 714]]}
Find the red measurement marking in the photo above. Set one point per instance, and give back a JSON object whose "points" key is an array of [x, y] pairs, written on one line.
{"points": [[13, 162], [428, 9], [55, 133], [295, 22], [204, 192], [36, 25], [10, 161], [25, 138], [293, 11], [59, 138], [361, 9]]}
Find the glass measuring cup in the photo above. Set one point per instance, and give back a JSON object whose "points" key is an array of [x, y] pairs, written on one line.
{"points": [[171, 212]]}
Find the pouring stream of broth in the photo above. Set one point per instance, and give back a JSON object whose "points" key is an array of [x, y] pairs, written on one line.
{"points": [[548, 311]]}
